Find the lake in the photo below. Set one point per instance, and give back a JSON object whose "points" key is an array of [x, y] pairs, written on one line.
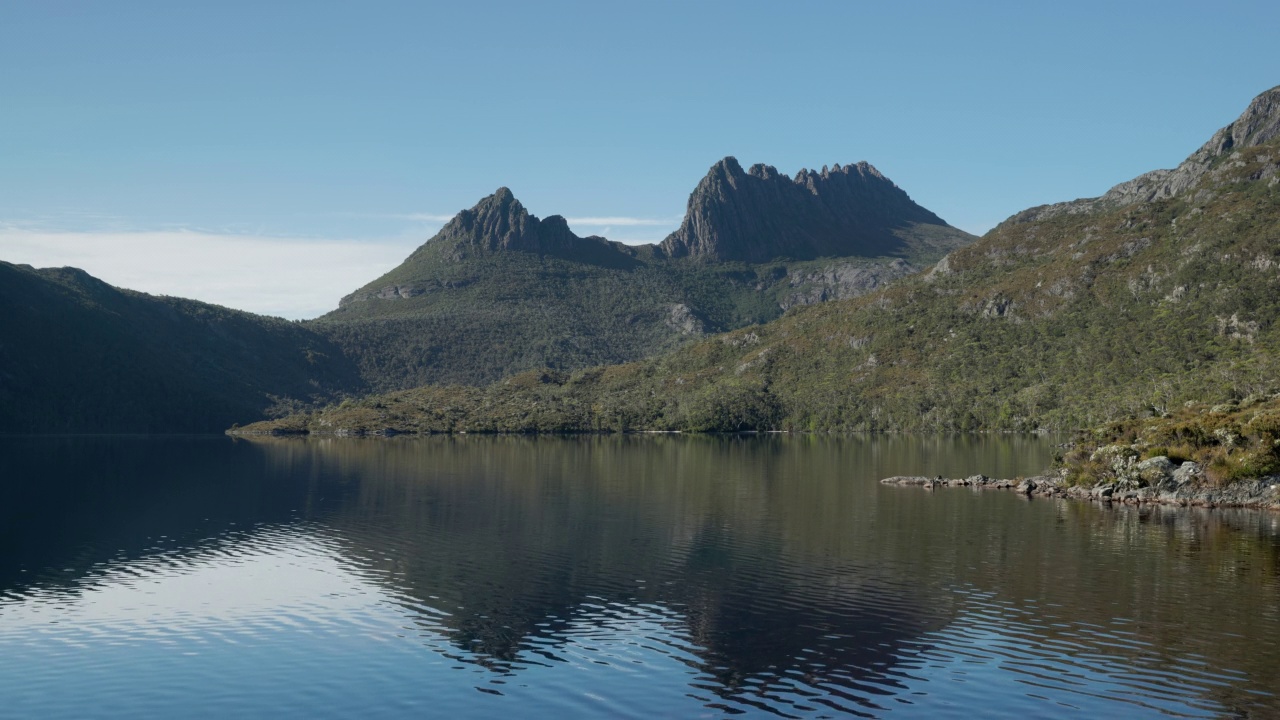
{"points": [[624, 576]]}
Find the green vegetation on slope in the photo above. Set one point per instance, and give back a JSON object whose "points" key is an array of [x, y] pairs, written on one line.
{"points": [[490, 315], [1229, 441], [1061, 322], [485, 315]]}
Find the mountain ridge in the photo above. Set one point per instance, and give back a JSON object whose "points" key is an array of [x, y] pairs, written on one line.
{"points": [[500, 222]]}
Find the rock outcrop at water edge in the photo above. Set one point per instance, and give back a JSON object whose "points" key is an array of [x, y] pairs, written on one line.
{"points": [[1176, 489]]}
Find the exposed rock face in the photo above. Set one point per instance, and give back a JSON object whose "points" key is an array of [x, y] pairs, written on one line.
{"points": [[940, 268], [497, 223], [841, 281], [1259, 123], [500, 222], [683, 320], [409, 290], [758, 215], [1184, 491]]}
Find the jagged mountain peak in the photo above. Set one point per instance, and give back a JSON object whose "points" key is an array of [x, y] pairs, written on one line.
{"points": [[500, 222], [760, 214], [861, 168], [729, 167], [728, 164]]}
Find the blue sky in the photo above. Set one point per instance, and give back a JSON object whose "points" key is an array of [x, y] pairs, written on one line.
{"points": [[134, 135]]}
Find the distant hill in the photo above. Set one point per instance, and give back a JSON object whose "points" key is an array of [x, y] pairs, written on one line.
{"points": [[1164, 290], [498, 290], [77, 355]]}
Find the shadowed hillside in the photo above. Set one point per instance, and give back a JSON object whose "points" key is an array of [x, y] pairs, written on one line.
{"points": [[78, 355]]}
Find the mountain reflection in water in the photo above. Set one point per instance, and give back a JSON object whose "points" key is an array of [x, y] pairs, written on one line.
{"points": [[524, 538], [672, 575]]}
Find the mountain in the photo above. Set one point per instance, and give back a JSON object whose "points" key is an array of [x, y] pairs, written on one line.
{"points": [[78, 355], [1161, 292], [760, 215], [499, 222], [499, 291]]}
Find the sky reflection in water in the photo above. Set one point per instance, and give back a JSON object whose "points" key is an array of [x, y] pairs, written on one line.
{"points": [[493, 577]]}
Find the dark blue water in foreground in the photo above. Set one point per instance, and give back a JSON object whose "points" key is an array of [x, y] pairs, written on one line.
{"points": [[610, 577]]}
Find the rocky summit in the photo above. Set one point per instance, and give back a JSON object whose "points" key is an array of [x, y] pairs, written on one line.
{"points": [[759, 215], [500, 222]]}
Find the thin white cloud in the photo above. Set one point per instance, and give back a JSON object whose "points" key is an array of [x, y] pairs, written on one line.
{"points": [[422, 217], [589, 221], [289, 277], [437, 218], [619, 221]]}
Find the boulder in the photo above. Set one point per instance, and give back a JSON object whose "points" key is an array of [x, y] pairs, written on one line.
{"points": [[1155, 471], [1187, 472]]}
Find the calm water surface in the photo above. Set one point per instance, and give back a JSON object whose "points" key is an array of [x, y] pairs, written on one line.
{"points": [[611, 577]]}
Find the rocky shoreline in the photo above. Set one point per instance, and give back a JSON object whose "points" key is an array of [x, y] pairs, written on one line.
{"points": [[1186, 490]]}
